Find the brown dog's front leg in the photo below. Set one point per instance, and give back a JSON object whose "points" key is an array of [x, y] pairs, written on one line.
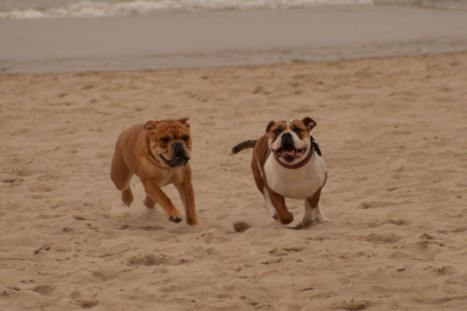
{"points": [[188, 199], [158, 196], [278, 201]]}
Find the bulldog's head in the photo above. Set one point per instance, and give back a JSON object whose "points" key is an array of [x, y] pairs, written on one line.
{"points": [[169, 141], [290, 140]]}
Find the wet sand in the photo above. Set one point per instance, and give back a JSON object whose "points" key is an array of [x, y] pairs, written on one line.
{"points": [[226, 38]]}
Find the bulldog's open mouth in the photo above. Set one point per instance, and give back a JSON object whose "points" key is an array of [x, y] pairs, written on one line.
{"points": [[289, 153], [176, 161]]}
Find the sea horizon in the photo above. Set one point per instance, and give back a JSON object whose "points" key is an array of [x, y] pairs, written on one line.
{"points": [[43, 9]]}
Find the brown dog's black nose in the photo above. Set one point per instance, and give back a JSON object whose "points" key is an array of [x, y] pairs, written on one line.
{"points": [[178, 149], [180, 156]]}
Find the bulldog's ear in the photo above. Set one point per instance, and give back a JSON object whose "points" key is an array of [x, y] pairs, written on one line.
{"points": [[271, 123], [184, 121], [309, 123], [149, 125]]}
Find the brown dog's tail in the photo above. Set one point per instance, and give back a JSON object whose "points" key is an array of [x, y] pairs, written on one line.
{"points": [[243, 145]]}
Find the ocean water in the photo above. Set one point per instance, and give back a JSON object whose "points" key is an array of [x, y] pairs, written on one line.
{"points": [[28, 9]]}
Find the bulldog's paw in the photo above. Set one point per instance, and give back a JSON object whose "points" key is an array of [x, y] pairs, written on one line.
{"points": [[127, 197], [322, 219], [286, 219], [302, 225], [192, 221], [148, 202], [175, 219]]}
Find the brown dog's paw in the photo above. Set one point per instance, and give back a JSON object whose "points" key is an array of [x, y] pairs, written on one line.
{"points": [[148, 202], [192, 221], [127, 197], [175, 219]]}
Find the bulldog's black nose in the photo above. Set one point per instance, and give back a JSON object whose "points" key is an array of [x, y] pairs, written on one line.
{"points": [[287, 141], [178, 149]]}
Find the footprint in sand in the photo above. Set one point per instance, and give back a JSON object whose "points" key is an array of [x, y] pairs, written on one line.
{"points": [[148, 260], [83, 303], [381, 238], [396, 222], [354, 305], [375, 204], [87, 304], [44, 289]]}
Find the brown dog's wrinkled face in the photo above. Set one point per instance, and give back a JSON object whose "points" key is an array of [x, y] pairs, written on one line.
{"points": [[290, 140], [169, 141]]}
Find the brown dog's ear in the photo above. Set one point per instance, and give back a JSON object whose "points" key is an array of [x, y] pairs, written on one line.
{"points": [[149, 125], [309, 123], [184, 121], [271, 123]]}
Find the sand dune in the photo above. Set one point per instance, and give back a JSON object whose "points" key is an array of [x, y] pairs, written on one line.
{"points": [[393, 133]]}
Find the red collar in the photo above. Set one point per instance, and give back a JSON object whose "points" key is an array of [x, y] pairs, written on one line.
{"points": [[297, 165]]}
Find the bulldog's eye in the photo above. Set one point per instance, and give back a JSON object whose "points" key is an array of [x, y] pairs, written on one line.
{"points": [[277, 131], [165, 139], [185, 138], [297, 130]]}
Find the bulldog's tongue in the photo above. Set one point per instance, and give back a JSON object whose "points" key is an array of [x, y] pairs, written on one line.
{"points": [[300, 152], [293, 153]]}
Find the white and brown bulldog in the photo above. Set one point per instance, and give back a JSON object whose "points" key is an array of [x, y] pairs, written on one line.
{"points": [[158, 153], [287, 162]]}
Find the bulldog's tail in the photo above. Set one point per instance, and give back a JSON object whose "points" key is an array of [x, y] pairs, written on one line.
{"points": [[243, 145]]}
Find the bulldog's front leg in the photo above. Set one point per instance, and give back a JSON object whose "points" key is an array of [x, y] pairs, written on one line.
{"points": [[278, 201], [156, 194], [187, 195]]}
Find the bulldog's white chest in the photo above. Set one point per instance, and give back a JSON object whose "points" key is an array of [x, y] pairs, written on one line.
{"points": [[299, 183]]}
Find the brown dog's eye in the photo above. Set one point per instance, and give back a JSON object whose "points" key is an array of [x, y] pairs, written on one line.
{"points": [[185, 138], [277, 131], [165, 139]]}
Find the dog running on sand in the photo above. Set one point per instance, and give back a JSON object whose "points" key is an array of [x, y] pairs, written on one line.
{"points": [[158, 153], [287, 163]]}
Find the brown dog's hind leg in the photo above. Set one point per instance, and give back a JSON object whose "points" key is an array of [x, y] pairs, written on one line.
{"points": [[121, 176], [148, 202], [127, 196]]}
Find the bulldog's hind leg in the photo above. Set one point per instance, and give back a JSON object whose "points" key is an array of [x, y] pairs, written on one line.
{"points": [[308, 218], [320, 215], [257, 174], [268, 204], [312, 212], [121, 176], [148, 202]]}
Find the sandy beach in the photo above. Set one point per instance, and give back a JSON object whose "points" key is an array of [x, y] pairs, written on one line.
{"points": [[393, 134]]}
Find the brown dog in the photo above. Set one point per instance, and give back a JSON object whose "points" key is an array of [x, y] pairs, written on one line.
{"points": [[287, 162], [158, 153]]}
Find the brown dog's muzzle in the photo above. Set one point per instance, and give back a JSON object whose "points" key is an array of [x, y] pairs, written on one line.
{"points": [[180, 155]]}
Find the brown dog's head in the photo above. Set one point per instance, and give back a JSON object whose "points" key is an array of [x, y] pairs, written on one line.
{"points": [[290, 140], [169, 141]]}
